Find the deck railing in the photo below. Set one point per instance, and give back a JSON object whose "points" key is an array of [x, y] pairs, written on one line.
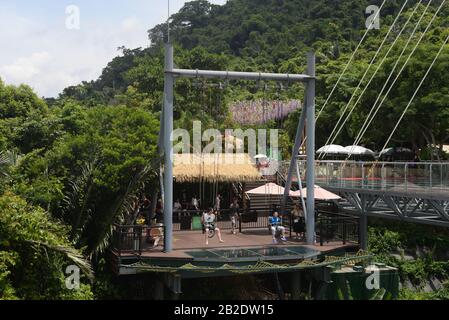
{"points": [[244, 219], [137, 238], [337, 227], [426, 177]]}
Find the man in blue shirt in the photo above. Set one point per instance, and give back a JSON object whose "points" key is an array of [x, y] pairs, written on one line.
{"points": [[276, 226]]}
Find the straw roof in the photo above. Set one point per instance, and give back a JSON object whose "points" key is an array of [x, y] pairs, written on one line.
{"points": [[214, 168]]}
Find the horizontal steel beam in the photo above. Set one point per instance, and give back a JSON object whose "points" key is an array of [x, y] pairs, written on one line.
{"points": [[234, 75], [394, 216], [410, 194]]}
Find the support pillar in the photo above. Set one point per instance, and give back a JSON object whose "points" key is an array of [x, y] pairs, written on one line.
{"points": [[173, 283], [363, 225], [168, 149], [310, 97], [159, 291], [296, 286]]}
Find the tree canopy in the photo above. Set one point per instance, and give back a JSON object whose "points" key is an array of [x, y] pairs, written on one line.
{"points": [[71, 167]]}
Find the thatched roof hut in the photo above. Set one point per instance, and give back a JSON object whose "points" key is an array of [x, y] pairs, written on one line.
{"points": [[214, 168]]}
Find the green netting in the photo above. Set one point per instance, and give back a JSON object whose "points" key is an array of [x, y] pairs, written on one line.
{"points": [[259, 267]]}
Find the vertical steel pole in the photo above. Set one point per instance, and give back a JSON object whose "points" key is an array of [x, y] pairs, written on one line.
{"points": [[168, 146], [363, 224], [311, 150]]}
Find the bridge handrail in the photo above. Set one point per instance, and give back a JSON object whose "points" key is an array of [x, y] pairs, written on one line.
{"points": [[403, 163]]}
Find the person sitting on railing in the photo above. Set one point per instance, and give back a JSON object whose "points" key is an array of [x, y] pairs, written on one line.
{"points": [[208, 220], [276, 226], [155, 234], [235, 207]]}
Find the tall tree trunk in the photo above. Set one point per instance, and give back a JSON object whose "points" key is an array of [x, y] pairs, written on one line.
{"points": [[429, 143]]}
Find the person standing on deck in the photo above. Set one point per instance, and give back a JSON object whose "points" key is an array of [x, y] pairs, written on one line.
{"points": [[195, 203], [217, 203], [177, 208], [235, 207], [298, 222], [160, 212]]}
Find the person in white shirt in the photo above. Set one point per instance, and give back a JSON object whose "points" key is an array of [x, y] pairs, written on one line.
{"points": [[195, 203], [177, 208], [208, 221], [235, 207], [217, 203]]}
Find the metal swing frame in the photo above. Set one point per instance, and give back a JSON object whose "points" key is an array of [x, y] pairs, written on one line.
{"points": [[308, 116]]}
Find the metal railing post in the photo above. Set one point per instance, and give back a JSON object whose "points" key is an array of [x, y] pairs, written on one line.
{"points": [[240, 222], [405, 177], [140, 241], [363, 176], [321, 232], [119, 234], [430, 176]]}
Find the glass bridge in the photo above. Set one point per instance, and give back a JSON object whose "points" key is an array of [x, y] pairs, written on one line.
{"points": [[395, 177], [408, 191]]}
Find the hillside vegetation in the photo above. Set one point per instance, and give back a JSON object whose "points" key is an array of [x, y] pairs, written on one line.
{"points": [[74, 165]]}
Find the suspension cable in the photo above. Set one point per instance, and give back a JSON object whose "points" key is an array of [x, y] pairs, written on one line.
{"points": [[345, 69], [416, 92], [380, 65], [349, 62], [333, 136], [402, 69]]}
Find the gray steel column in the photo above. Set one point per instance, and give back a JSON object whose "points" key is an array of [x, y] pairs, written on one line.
{"points": [[294, 161], [168, 146], [311, 149], [363, 224]]}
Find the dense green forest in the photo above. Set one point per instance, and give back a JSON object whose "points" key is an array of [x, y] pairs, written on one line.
{"points": [[72, 166]]}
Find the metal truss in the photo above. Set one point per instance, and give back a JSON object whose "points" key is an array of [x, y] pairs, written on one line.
{"points": [[415, 208]]}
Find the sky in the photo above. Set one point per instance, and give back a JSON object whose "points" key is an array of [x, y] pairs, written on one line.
{"points": [[53, 44]]}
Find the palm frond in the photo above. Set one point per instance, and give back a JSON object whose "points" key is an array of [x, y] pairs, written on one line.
{"points": [[7, 160], [71, 254], [122, 206], [76, 207]]}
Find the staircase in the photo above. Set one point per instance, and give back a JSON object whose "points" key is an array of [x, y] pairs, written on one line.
{"points": [[263, 203]]}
